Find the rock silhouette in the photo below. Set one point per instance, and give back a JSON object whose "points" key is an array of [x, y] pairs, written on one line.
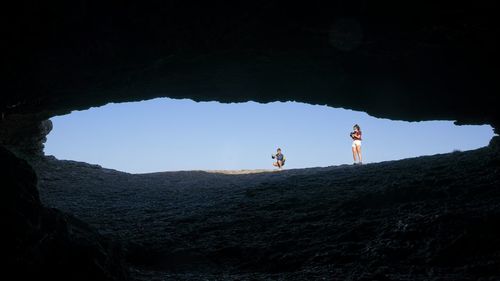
{"points": [[45, 243], [406, 61]]}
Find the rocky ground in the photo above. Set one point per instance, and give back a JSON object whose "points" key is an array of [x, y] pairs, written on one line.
{"points": [[426, 218]]}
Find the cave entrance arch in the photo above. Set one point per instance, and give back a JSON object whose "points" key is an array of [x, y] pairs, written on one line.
{"points": [[171, 134]]}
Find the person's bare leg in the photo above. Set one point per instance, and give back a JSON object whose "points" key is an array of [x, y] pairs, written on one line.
{"points": [[280, 164], [358, 151], [354, 154], [275, 164]]}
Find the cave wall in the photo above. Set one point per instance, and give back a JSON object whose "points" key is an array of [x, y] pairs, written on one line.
{"points": [[47, 244], [25, 134]]}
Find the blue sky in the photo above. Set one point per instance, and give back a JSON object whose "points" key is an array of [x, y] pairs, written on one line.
{"points": [[169, 135]]}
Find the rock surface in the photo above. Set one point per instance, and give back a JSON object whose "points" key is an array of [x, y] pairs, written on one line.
{"points": [[426, 218], [24, 135], [42, 243]]}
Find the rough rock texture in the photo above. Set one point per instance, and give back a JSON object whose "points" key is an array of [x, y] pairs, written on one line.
{"points": [[427, 218], [42, 243], [25, 135]]}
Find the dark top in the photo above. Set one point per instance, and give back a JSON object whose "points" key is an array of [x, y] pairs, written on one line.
{"points": [[278, 156], [356, 135]]}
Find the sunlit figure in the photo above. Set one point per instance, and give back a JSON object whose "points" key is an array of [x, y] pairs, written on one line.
{"points": [[280, 158], [356, 144]]}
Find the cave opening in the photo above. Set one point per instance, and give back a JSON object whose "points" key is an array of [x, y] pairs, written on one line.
{"points": [[165, 134]]}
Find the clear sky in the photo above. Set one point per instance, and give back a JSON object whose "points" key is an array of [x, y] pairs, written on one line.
{"points": [[169, 135]]}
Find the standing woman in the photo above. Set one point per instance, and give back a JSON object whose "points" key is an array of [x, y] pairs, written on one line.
{"points": [[356, 144]]}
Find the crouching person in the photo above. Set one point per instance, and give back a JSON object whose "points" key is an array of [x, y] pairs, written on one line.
{"points": [[280, 159]]}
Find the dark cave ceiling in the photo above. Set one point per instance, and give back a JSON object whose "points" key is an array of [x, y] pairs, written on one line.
{"points": [[399, 60]]}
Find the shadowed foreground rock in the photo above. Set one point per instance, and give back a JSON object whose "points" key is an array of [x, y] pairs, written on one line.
{"points": [[46, 244], [426, 218]]}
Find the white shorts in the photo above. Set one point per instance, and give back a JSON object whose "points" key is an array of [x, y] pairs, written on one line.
{"points": [[356, 142]]}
